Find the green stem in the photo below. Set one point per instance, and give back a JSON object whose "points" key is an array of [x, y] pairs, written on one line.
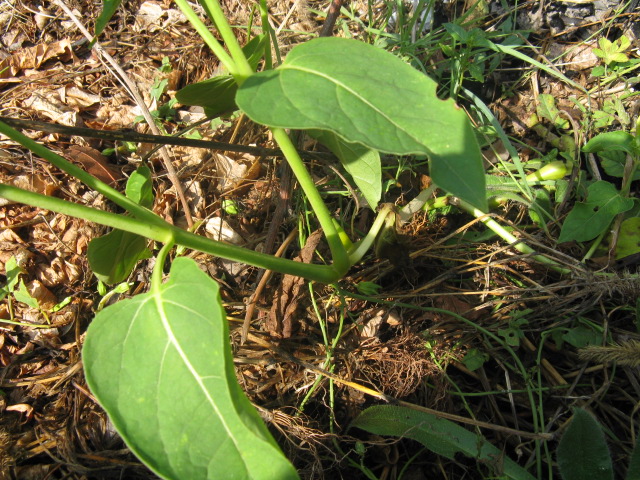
{"points": [[158, 268], [268, 31], [356, 254], [594, 246], [508, 237], [141, 213], [164, 232], [208, 38], [341, 260], [243, 69]]}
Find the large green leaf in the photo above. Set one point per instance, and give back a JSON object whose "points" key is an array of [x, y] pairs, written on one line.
{"points": [[362, 163], [369, 96], [582, 451], [216, 95], [160, 364], [589, 219], [439, 435]]}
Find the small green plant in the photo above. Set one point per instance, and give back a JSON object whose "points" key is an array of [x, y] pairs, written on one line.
{"points": [[21, 294], [16, 289], [612, 52], [590, 219]]}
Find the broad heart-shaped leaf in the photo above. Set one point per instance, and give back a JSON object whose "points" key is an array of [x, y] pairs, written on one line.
{"points": [[369, 96], [589, 219], [439, 435], [362, 163], [582, 451], [160, 364]]}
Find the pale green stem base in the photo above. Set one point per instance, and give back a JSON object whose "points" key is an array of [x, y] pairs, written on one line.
{"points": [[508, 237]]}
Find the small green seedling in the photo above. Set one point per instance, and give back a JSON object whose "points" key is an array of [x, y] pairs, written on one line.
{"points": [[590, 219], [612, 52]]}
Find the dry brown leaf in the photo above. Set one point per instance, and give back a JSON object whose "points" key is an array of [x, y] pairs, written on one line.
{"points": [[58, 273], [34, 183], [47, 103], [21, 408], [77, 98], [34, 57], [95, 163], [42, 294], [287, 298]]}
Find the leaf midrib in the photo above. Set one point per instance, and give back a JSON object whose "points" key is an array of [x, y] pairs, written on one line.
{"points": [[157, 295], [361, 98]]}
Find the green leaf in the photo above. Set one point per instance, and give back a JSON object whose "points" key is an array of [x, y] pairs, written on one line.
{"points": [[628, 238], [362, 163], [217, 95], [617, 141], [589, 219], [12, 271], [582, 451], [160, 364], [23, 295], [109, 8], [582, 336], [438, 435], [474, 359], [368, 96], [112, 257], [547, 109], [613, 163], [140, 188]]}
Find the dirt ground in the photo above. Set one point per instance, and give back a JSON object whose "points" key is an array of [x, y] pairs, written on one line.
{"points": [[403, 344]]}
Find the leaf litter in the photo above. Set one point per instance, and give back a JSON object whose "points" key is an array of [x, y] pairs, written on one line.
{"points": [[50, 425]]}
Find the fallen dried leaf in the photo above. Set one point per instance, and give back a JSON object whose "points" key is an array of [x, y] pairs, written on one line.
{"points": [[95, 163], [34, 57], [287, 298]]}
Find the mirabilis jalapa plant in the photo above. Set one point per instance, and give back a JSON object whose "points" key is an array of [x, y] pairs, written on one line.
{"points": [[160, 363]]}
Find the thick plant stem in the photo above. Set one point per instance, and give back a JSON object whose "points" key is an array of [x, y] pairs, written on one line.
{"points": [[141, 213], [356, 254], [340, 256], [508, 237], [243, 69], [164, 232], [156, 275]]}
